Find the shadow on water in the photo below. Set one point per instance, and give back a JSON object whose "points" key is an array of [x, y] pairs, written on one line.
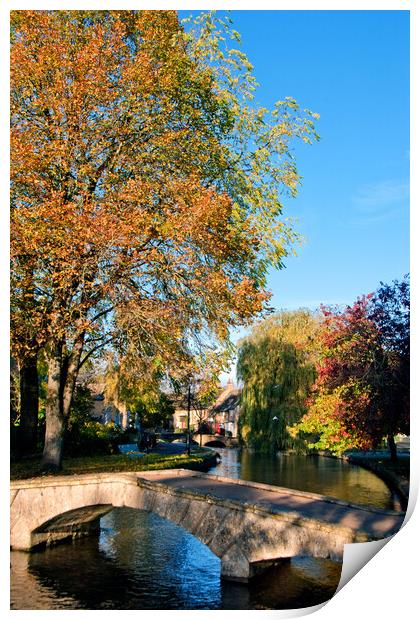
{"points": [[299, 582]]}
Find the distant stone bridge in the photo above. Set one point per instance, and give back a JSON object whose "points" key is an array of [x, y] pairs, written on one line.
{"points": [[216, 441], [248, 525]]}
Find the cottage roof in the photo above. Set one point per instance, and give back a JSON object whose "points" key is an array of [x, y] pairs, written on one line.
{"points": [[228, 400]]}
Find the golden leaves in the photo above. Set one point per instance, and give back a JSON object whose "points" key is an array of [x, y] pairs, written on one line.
{"points": [[141, 177]]}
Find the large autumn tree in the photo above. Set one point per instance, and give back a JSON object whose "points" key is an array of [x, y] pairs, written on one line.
{"points": [[145, 190]]}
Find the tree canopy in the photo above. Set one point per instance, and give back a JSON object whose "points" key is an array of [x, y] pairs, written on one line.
{"points": [[145, 189], [362, 390]]}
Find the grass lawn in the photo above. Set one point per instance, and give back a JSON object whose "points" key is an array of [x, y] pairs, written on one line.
{"points": [[31, 468]]}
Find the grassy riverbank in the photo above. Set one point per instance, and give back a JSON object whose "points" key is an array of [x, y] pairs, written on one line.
{"points": [[200, 459]]}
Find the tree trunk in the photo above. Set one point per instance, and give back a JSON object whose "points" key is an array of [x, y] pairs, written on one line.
{"points": [[124, 415], [392, 447], [54, 419], [27, 436], [62, 375], [72, 370]]}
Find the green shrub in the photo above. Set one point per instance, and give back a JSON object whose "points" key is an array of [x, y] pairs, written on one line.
{"points": [[92, 438], [85, 436]]}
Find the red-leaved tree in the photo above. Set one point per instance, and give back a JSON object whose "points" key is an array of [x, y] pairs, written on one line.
{"points": [[361, 393]]}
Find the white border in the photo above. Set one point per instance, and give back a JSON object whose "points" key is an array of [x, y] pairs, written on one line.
{"points": [[386, 587]]}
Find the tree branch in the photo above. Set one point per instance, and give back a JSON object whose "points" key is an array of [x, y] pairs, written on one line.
{"points": [[92, 351], [101, 313]]}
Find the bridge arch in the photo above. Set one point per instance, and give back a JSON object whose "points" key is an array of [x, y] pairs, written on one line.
{"points": [[215, 443], [73, 523], [65, 509]]}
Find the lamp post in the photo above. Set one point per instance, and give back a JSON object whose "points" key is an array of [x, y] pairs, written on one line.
{"points": [[275, 420]]}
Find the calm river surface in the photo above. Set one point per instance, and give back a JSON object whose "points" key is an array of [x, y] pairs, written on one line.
{"points": [[141, 561]]}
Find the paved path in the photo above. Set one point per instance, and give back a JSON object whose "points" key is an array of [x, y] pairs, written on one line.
{"points": [[374, 522]]}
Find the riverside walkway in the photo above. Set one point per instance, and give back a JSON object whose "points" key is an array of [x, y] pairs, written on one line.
{"points": [[248, 525]]}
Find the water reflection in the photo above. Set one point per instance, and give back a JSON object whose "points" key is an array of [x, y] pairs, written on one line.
{"points": [[316, 474], [141, 561]]}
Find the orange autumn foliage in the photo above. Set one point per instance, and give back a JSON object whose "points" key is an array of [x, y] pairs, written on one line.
{"points": [[132, 219], [109, 176]]}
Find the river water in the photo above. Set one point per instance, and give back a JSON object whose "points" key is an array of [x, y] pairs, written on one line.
{"points": [[141, 561]]}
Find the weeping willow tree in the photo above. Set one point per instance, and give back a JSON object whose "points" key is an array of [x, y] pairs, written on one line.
{"points": [[276, 365]]}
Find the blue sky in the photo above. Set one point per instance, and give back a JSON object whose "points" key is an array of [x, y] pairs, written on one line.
{"points": [[352, 67], [353, 208]]}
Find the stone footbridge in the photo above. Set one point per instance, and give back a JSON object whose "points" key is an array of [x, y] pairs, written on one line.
{"points": [[248, 525], [216, 441]]}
